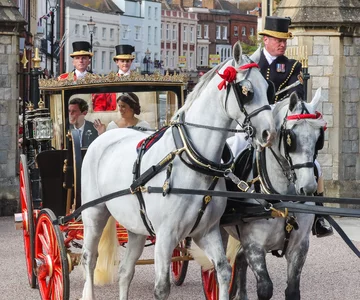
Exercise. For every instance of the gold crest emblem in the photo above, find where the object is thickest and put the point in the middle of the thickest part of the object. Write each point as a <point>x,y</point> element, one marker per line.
<point>245,90</point>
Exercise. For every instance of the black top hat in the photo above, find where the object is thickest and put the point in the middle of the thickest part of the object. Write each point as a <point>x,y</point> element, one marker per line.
<point>277,27</point>
<point>124,52</point>
<point>81,49</point>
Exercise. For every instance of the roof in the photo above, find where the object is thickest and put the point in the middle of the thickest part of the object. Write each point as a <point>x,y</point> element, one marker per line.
<point>102,6</point>
<point>311,13</point>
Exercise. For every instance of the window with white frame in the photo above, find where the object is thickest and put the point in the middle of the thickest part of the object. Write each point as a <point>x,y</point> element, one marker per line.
<point>224,32</point>
<point>94,60</point>
<point>202,56</point>
<point>252,31</point>
<point>111,56</point>
<point>77,29</point>
<point>243,31</point>
<point>161,31</point>
<point>125,32</point>
<point>173,59</point>
<point>111,33</point>
<point>155,36</point>
<point>192,38</point>
<point>167,32</point>
<point>218,32</point>
<point>191,57</point>
<point>95,32</point>
<point>84,30</point>
<point>185,33</point>
<point>198,31</point>
<point>103,34</point>
<point>156,13</point>
<point>206,31</point>
<point>236,31</point>
<point>149,35</point>
<point>103,54</point>
<point>174,32</point>
<point>137,33</point>
<point>149,12</point>
<point>167,58</point>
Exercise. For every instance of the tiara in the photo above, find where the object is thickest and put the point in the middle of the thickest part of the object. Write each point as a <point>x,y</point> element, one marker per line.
<point>128,96</point>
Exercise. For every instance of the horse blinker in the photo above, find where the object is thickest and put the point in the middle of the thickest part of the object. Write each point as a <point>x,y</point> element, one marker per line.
<point>244,91</point>
<point>289,140</point>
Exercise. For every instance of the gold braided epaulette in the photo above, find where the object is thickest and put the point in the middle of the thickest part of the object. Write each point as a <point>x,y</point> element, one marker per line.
<point>112,78</point>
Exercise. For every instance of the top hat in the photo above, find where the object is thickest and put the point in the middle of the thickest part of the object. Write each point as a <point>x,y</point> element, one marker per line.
<point>81,49</point>
<point>124,52</point>
<point>277,27</point>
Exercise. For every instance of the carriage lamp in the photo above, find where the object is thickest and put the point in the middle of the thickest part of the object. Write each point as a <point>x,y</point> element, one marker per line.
<point>43,129</point>
<point>42,123</point>
<point>29,116</point>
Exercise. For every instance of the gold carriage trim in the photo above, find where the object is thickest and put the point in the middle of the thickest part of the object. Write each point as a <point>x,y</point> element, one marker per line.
<point>112,78</point>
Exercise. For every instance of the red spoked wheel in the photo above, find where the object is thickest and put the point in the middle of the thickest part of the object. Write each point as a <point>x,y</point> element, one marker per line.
<point>27,219</point>
<point>52,266</point>
<point>211,289</point>
<point>179,267</point>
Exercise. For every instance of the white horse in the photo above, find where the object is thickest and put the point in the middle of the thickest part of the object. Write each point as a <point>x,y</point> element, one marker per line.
<point>299,136</point>
<point>108,165</point>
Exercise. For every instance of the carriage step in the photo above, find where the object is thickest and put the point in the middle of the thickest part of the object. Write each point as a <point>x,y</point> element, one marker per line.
<point>18,221</point>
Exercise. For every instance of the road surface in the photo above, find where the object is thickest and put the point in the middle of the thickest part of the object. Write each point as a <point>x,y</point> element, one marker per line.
<point>331,272</point>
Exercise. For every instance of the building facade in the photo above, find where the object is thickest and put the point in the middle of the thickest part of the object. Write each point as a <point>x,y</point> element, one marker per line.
<point>178,38</point>
<point>105,37</point>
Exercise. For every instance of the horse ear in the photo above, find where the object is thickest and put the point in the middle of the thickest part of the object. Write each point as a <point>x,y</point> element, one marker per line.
<point>237,53</point>
<point>317,99</point>
<point>293,101</point>
<point>255,57</point>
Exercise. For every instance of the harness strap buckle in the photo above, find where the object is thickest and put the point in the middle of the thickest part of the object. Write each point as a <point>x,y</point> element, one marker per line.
<point>243,186</point>
<point>143,189</point>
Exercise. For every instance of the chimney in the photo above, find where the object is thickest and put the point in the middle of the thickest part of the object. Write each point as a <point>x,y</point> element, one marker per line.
<point>210,4</point>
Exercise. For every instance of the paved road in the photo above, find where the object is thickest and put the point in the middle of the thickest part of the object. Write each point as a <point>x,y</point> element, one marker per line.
<point>331,272</point>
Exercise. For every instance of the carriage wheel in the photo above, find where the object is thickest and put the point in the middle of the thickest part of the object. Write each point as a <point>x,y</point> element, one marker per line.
<point>179,268</point>
<point>52,267</point>
<point>28,219</point>
<point>211,289</point>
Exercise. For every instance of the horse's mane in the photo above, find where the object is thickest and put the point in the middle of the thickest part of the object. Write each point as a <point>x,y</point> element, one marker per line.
<point>200,86</point>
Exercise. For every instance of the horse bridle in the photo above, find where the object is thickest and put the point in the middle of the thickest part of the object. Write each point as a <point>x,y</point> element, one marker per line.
<point>288,139</point>
<point>244,93</point>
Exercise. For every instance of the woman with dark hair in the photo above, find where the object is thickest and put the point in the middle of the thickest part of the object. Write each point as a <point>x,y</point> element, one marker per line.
<point>129,106</point>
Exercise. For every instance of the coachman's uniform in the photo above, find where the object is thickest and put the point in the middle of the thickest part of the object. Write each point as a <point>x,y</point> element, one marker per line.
<point>103,102</point>
<point>282,72</point>
<point>79,49</point>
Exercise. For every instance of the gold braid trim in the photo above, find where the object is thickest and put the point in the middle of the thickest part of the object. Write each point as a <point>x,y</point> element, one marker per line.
<point>286,80</point>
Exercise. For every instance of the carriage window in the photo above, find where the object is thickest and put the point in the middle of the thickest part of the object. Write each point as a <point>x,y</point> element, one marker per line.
<point>157,108</point>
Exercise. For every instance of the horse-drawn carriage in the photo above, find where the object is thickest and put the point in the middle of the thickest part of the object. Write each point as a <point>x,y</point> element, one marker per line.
<point>174,187</point>
<point>50,170</point>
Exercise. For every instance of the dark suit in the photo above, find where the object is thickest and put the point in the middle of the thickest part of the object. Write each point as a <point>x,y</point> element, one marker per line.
<point>89,134</point>
<point>282,72</point>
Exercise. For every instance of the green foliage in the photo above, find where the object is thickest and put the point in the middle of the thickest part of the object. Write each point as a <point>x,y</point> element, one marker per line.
<point>253,44</point>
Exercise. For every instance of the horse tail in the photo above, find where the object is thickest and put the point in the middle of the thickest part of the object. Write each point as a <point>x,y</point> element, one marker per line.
<point>105,270</point>
<point>232,249</point>
<point>200,257</point>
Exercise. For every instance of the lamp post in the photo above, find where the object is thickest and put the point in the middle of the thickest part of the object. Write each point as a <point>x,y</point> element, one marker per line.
<point>91,26</point>
<point>53,5</point>
<point>147,61</point>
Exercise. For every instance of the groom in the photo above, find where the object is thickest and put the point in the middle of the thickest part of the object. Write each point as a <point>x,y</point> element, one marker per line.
<point>78,109</point>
